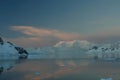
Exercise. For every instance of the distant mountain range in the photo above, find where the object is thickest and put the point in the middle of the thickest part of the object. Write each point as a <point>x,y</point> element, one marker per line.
<point>63,49</point>
<point>76,49</point>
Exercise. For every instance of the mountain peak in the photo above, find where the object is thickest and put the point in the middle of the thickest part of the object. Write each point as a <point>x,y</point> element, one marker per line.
<point>74,43</point>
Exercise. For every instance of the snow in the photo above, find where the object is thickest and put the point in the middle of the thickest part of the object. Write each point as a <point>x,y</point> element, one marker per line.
<point>8,51</point>
<point>6,47</point>
<point>109,51</point>
<point>9,55</point>
<point>77,49</point>
<point>63,49</point>
<point>75,43</point>
<point>106,79</point>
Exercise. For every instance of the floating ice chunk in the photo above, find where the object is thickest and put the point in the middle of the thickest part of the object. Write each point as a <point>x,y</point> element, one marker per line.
<point>37,73</point>
<point>106,79</point>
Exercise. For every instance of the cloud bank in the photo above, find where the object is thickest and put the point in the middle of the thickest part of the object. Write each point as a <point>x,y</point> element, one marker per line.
<point>39,32</point>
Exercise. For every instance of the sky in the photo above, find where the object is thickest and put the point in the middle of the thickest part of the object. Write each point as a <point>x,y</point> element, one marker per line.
<point>36,23</point>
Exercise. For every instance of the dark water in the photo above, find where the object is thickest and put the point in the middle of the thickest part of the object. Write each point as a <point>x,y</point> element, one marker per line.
<point>62,70</point>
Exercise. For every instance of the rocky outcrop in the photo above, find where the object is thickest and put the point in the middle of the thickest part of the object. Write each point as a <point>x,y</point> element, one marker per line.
<point>23,53</point>
<point>1,69</point>
<point>1,41</point>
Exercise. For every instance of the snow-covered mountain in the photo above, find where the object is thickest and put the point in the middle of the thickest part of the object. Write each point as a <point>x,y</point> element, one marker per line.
<point>76,49</point>
<point>105,51</point>
<point>63,49</point>
<point>10,54</point>
<point>72,49</point>
<point>75,44</point>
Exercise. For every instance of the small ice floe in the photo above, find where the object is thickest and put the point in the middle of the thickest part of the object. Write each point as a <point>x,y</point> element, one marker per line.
<point>37,73</point>
<point>106,79</point>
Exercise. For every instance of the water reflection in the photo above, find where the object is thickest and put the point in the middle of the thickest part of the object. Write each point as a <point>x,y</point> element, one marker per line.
<point>62,70</point>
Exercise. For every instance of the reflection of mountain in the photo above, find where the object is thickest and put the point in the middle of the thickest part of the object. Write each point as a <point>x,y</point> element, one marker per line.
<point>9,51</point>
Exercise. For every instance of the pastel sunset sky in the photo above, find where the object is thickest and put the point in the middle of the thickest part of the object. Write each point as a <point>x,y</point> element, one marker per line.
<point>36,23</point>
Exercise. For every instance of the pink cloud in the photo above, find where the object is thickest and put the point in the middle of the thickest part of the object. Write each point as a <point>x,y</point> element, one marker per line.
<point>39,32</point>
